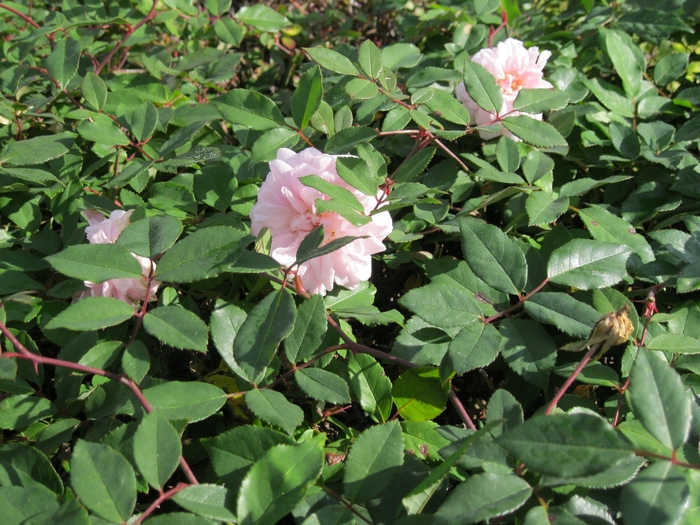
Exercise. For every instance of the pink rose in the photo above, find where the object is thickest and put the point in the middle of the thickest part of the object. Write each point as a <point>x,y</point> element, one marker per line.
<point>514,68</point>
<point>131,291</point>
<point>287,208</point>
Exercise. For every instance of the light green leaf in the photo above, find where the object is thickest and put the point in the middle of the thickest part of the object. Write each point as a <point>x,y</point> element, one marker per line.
<point>63,61</point>
<point>419,394</point>
<point>332,60</point>
<point>273,407</point>
<point>307,97</point>
<point>588,264</point>
<point>211,501</point>
<point>250,109</point>
<point>534,131</point>
<point>482,87</point>
<point>262,17</point>
<point>192,400</point>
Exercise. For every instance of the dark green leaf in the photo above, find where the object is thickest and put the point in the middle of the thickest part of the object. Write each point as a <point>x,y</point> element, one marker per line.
<point>670,67</point>
<point>157,449</point>
<point>177,327</point>
<point>482,87</point>
<point>331,60</point>
<point>311,246</point>
<point>250,109</point>
<point>563,311</point>
<point>24,465</point>
<point>370,59</point>
<point>309,329</point>
<point>192,401</point>
<point>443,305</point>
<point>475,346</point>
<point>27,505</point>
<point>92,313</point>
<point>273,407</point>
<point>262,17</point>
<point>151,236</point>
<point>62,64</point>
<point>544,208</point>
<point>658,495</point>
<point>534,131</point>
<point>38,150</point>
<point>323,385</point>
<point>266,147</point>
<point>370,386</point>
<point>96,262</point>
<point>94,90</point>
<point>528,350</point>
<point>210,501</point>
<point>17,412</point>
<point>604,226</point>
<point>588,264</point>
<point>624,60</point>
<point>347,139</point>
<point>678,343</point>
<point>307,97</point>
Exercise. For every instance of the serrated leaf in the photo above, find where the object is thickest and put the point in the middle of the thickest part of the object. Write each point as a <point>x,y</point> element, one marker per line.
<point>273,407</point>
<point>192,401</point>
<point>544,208</point>
<point>370,386</point>
<point>265,148</point>
<point>419,394</point>
<point>540,99</point>
<point>151,236</point>
<point>177,327</point>
<point>94,90</point>
<point>212,501</point>
<point>331,60</point>
<point>358,174</point>
<point>475,346</point>
<point>24,465</point>
<point>250,109</point>
<point>624,60</point>
<point>604,226</point>
<point>588,264</point>
<point>323,385</point>
<point>157,449</point>
<point>659,494</point>
<point>563,311</point>
<point>534,131</point>
<point>38,150</point>
<point>370,59</point>
<point>373,461</point>
<point>309,329</point>
<point>482,87</point>
<point>492,256</point>
<point>92,313</point>
<point>528,350</point>
<point>96,263</point>
<point>443,305</point>
<point>307,97</point>
<point>262,17</point>
<point>63,61</point>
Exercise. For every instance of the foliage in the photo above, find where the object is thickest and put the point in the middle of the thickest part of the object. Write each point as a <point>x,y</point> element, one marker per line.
<point>236,397</point>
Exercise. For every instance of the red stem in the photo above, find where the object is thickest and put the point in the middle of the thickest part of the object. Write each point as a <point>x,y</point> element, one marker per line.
<point>589,355</point>
<point>163,496</point>
<point>21,15</point>
<point>461,410</point>
<point>518,304</point>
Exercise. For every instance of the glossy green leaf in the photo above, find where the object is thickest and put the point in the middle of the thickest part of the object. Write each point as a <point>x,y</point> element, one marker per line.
<point>102,354</point>
<point>62,64</point>
<point>534,131</point>
<point>262,17</point>
<point>211,501</point>
<point>482,87</point>
<point>323,385</point>
<point>136,361</point>
<point>624,60</point>
<point>202,255</point>
<point>345,140</point>
<point>27,505</point>
<point>374,459</point>
<point>94,468</point>
<point>309,329</point>
<point>331,60</point>
<point>17,412</point>
<point>151,236</point>
<point>92,313</point>
<point>177,327</point>
<point>604,226</point>
<point>103,130</point>
<point>143,121</point>
<point>594,373</point>
<point>37,150</point>
<point>588,264</point>
<point>273,407</point>
<point>370,386</point>
<point>266,147</point>
<point>443,305</point>
<point>94,90</point>
<point>250,109</point>
<point>611,96</point>
<point>484,496</point>
<point>508,155</point>
<point>540,99</point>
<point>358,173</point>
<point>659,399</point>
<point>504,410</point>
<point>370,59</point>
<point>311,247</point>
<point>422,439</point>
<point>263,330</point>
<point>279,482</point>
<point>307,97</point>
<point>419,394</point>
<point>658,495</point>
<point>563,311</point>
<point>545,208</point>
<point>492,256</point>
<point>566,444</point>
<point>96,263</point>
<point>157,449</point>
<point>192,401</point>
<point>678,343</point>
<point>229,31</point>
<point>528,350</point>
<point>447,107</point>
<point>8,368</point>
<point>536,165</point>
<point>475,346</point>
<point>24,465</point>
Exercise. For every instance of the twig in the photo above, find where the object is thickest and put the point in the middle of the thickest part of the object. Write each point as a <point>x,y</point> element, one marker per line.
<point>518,304</point>
<point>589,355</point>
<point>460,409</point>
<point>164,496</point>
<point>21,15</point>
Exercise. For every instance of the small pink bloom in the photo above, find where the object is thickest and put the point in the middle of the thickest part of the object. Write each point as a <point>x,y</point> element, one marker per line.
<point>287,208</point>
<point>106,231</point>
<point>514,68</point>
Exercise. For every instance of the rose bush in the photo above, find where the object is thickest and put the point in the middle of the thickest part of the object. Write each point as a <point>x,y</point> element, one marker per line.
<point>287,208</point>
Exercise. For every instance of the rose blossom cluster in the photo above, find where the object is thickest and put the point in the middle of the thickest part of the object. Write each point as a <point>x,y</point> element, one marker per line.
<point>514,68</point>
<point>103,230</point>
<point>287,209</point>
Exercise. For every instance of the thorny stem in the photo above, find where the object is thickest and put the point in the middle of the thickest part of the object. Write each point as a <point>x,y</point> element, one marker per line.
<point>23,353</point>
<point>560,393</point>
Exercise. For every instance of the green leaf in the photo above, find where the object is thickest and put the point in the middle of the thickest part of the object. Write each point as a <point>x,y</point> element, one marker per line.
<point>563,311</point>
<point>443,305</point>
<point>588,264</point>
<point>250,109</point>
<point>323,385</point>
<point>335,192</point>
<point>332,60</point>
<point>63,62</point>
<point>38,150</point>
<point>508,155</point>
<point>670,67</point>
<point>94,90</point>
<point>27,505</point>
<point>310,247</point>
<point>143,120</point>
<point>540,99</point>
<point>369,384</point>
<point>279,482</point>
<point>536,165</point>
<point>482,87</point>
<point>262,17</point>
<point>96,263</point>
<point>358,174</point>
<point>678,343</point>
<point>611,97</point>
<point>157,449</point>
<point>347,139</point>
<point>202,255</point>
<point>151,236</point>
<point>528,350</point>
<point>534,131</point>
<point>370,59</point>
<point>103,130</point>
<point>475,346</point>
<point>192,401</point>
<point>400,55</point>
<point>24,465</point>
<point>102,354</point>
<point>492,256</point>
<point>266,326</point>
<point>419,394</point>
<point>625,140</point>
<point>604,226</point>
<point>136,361</point>
<point>374,459</point>
<point>177,327</point>
<point>544,208</point>
<point>229,31</point>
<point>266,147</point>
<point>624,60</point>
<point>8,369</point>
<point>484,496</point>
<point>422,439</point>
<point>93,471</point>
<point>504,410</point>
<point>211,501</point>
<point>567,444</point>
<point>361,89</point>
<point>307,97</point>
<point>309,329</point>
<point>274,408</point>
<point>178,518</point>
<point>659,494</point>
<point>17,412</point>
<point>447,107</point>
<point>594,373</point>
<point>233,452</point>
<point>92,313</point>
<point>659,399</point>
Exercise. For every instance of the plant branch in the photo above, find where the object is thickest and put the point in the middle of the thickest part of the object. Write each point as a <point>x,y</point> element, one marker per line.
<point>560,393</point>
<point>518,304</point>
<point>164,496</point>
<point>460,409</point>
<point>21,15</point>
